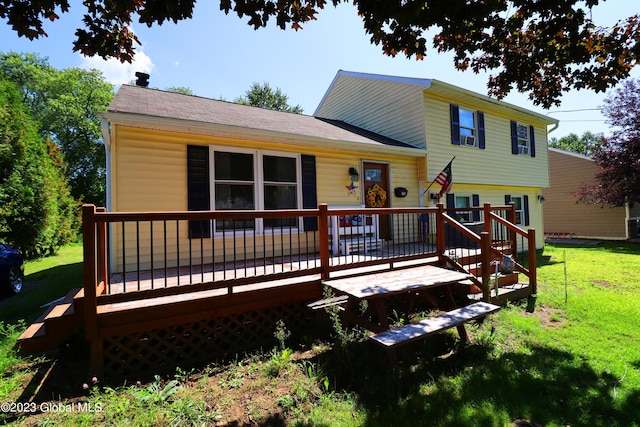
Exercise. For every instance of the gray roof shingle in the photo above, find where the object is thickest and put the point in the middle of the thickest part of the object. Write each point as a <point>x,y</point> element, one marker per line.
<point>168,105</point>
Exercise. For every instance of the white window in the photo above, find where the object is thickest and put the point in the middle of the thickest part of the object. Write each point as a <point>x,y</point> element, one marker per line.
<point>522,132</point>
<point>468,122</point>
<point>255,180</point>
<point>462,201</point>
<point>517,200</point>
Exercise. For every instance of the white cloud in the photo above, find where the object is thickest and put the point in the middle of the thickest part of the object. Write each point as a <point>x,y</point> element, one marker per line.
<point>116,72</point>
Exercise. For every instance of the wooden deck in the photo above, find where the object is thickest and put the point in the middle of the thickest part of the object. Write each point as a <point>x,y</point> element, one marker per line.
<point>141,319</point>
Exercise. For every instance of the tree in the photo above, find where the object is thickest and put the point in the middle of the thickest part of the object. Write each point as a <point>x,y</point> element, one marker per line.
<point>618,156</point>
<point>543,47</point>
<point>180,89</point>
<point>264,96</point>
<point>66,103</point>
<point>584,144</point>
<point>37,212</point>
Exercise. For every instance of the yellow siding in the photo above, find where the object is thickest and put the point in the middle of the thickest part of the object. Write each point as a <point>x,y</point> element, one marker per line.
<point>493,165</point>
<point>495,196</point>
<point>562,213</point>
<point>388,108</point>
<point>149,173</point>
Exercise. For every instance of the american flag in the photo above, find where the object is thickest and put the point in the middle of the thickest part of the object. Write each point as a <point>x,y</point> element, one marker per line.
<point>445,178</point>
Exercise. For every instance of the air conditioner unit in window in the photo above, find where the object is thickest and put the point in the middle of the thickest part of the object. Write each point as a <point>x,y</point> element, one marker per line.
<point>468,140</point>
<point>523,150</point>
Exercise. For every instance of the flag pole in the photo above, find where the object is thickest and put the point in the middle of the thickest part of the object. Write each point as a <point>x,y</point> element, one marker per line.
<point>434,180</point>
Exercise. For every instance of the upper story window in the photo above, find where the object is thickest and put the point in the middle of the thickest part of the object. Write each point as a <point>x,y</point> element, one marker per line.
<point>522,139</point>
<point>467,127</point>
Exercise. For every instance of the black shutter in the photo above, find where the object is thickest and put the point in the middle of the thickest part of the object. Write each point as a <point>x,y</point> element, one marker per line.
<point>309,192</point>
<point>475,201</point>
<point>481,136</point>
<point>507,199</point>
<point>525,202</point>
<point>451,201</point>
<point>198,192</point>
<point>532,141</point>
<point>455,124</point>
<point>514,137</point>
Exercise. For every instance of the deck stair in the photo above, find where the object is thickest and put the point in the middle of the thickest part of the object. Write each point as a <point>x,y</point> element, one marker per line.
<point>508,288</point>
<point>57,324</point>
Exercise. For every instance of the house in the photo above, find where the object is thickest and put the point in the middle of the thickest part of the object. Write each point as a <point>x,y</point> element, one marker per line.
<point>500,149</point>
<point>172,152</point>
<point>222,219</point>
<point>563,214</point>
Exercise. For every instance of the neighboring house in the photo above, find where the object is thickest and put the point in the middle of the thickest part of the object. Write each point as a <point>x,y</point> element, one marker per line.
<point>563,214</point>
<point>173,152</point>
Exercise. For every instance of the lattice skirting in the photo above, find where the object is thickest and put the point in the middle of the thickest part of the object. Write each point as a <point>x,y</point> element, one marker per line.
<point>141,355</point>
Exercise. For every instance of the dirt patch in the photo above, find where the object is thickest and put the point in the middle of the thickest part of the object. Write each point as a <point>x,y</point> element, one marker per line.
<point>549,317</point>
<point>603,283</point>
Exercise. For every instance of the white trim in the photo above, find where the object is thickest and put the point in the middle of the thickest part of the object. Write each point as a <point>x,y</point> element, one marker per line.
<point>258,182</point>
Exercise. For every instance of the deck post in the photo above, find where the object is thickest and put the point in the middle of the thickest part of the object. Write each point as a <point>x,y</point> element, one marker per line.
<point>440,237</point>
<point>102,253</point>
<point>487,218</point>
<point>533,276</point>
<point>90,279</point>
<point>485,260</point>
<point>323,228</point>
<point>512,220</point>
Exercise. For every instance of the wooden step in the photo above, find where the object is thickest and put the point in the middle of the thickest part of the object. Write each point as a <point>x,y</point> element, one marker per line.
<point>56,324</point>
<point>415,331</point>
<point>504,280</point>
<point>505,294</point>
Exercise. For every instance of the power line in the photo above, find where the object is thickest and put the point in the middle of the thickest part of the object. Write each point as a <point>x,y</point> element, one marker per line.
<point>573,111</point>
<point>565,121</point>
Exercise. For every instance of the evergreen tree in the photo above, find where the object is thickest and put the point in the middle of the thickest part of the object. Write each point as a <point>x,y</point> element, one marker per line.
<point>37,212</point>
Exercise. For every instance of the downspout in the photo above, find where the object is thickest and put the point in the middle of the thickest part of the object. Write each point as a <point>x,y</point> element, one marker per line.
<point>106,135</point>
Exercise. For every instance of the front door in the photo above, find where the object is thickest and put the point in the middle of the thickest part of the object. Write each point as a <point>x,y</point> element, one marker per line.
<point>377,193</point>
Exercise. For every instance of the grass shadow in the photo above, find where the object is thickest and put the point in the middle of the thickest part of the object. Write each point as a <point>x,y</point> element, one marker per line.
<point>40,288</point>
<point>440,382</point>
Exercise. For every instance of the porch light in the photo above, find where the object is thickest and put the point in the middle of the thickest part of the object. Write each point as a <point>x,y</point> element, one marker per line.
<point>355,176</point>
<point>541,199</point>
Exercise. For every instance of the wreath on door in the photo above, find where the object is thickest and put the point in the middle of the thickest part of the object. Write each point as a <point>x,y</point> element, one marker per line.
<point>376,196</point>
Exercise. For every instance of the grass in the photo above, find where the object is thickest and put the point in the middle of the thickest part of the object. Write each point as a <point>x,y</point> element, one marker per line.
<point>574,361</point>
<point>46,279</point>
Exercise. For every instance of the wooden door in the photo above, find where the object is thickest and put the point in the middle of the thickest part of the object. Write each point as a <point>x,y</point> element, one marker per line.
<point>377,174</point>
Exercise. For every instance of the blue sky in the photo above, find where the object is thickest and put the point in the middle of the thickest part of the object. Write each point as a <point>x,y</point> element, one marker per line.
<point>220,56</point>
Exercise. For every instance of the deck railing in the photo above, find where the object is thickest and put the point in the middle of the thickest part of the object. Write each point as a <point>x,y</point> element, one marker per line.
<point>132,256</point>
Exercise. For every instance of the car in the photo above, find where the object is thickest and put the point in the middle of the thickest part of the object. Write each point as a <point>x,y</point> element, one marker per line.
<point>11,270</point>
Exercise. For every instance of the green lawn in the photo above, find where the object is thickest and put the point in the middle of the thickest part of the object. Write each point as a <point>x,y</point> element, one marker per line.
<point>575,361</point>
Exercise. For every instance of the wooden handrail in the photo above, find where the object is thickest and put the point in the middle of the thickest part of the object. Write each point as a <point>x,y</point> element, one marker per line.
<point>508,224</point>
